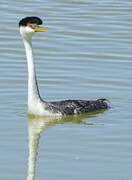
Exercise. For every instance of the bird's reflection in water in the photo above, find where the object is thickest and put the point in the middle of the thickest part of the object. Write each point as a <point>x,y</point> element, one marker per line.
<point>36,126</point>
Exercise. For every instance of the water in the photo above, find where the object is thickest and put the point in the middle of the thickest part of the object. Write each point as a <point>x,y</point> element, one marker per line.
<point>85,55</point>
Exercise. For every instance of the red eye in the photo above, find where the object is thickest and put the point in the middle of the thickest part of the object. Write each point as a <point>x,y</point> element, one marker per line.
<point>33,26</point>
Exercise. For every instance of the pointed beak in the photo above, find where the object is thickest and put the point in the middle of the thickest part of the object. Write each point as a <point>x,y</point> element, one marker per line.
<point>40,29</point>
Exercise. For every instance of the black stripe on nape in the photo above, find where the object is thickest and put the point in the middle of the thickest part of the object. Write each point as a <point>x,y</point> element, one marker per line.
<point>31,19</point>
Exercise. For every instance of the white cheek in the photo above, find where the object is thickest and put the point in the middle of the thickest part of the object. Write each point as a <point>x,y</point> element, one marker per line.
<point>26,30</point>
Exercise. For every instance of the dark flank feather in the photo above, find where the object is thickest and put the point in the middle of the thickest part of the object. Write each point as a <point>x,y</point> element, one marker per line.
<point>74,107</point>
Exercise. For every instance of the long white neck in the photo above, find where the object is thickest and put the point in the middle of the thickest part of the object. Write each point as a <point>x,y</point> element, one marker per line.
<point>33,92</point>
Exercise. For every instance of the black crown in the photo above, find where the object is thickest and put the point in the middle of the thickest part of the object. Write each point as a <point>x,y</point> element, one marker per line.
<point>31,19</point>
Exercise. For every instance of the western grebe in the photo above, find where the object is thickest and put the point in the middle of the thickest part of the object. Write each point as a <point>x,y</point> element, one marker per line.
<point>37,106</point>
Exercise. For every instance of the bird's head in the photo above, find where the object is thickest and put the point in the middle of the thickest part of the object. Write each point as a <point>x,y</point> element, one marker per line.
<point>29,25</point>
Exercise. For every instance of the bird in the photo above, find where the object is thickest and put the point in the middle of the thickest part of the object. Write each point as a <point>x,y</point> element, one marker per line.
<point>36,105</point>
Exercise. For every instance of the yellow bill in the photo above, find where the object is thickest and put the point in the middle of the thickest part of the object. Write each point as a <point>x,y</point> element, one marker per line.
<point>41,29</point>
